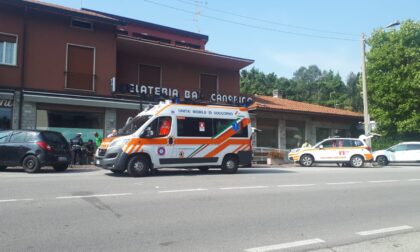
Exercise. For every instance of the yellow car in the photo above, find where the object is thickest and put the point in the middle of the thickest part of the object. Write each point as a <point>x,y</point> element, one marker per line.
<point>343,151</point>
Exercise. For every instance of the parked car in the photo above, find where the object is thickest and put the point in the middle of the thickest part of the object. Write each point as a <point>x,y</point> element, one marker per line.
<point>343,151</point>
<point>33,149</point>
<point>406,152</point>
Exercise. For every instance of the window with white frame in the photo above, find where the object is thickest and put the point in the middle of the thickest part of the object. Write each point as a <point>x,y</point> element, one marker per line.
<point>8,49</point>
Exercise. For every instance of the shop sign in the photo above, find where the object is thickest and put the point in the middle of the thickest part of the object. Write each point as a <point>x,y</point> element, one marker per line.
<point>6,103</point>
<point>150,92</point>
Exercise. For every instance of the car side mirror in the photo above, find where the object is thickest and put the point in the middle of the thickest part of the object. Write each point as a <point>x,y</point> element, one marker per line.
<point>321,146</point>
<point>147,133</point>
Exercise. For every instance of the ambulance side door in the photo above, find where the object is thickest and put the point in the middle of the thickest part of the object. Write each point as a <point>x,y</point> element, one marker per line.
<point>327,151</point>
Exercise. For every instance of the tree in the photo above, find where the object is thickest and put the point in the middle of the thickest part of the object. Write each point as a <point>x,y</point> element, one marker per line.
<point>354,91</point>
<point>393,75</point>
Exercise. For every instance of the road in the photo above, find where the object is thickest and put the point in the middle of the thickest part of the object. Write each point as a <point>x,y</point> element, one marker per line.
<point>259,209</point>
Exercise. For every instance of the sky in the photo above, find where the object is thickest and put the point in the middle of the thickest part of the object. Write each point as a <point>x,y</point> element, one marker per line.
<point>280,35</point>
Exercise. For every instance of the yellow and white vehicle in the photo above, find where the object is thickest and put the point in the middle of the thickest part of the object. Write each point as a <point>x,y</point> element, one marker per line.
<point>180,135</point>
<point>343,151</point>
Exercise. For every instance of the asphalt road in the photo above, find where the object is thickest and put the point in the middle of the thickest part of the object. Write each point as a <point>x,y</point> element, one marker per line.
<point>258,209</point>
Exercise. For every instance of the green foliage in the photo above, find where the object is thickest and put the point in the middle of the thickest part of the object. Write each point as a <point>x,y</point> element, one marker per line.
<point>309,84</point>
<point>393,72</point>
<point>381,143</point>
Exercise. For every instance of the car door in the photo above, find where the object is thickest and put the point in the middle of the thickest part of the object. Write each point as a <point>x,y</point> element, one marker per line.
<point>327,151</point>
<point>5,153</point>
<point>398,153</point>
<point>18,147</point>
<point>413,153</point>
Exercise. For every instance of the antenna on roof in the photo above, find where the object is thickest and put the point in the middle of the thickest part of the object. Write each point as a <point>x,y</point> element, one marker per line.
<point>198,10</point>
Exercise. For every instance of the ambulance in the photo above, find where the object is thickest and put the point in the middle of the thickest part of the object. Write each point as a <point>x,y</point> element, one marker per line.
<point>172,135</point>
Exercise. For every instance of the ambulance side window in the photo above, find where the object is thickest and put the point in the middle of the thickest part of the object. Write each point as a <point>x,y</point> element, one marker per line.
<point>160,127</point>
<point>194,127</point>
<point>220,125</point>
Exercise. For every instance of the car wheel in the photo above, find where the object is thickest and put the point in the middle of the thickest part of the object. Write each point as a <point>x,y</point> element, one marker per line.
<point>118,171</point>
<point>138,166</point>
<point>60,167</point>
<point>357,161</point>
<point>2,168</point>
<point>204,169</point>
<point>230,164</point>
<point>31,164</point>
<point>306,160</point>
<point>382,160</point>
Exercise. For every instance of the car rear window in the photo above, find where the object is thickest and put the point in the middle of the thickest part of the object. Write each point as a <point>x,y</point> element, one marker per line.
<point>53,137</point>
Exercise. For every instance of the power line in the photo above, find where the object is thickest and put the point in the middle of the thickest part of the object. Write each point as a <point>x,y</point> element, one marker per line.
<point>250,25</point>
<point>268,21</point>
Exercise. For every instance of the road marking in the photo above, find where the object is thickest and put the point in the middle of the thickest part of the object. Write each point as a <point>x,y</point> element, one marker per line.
<point>383,181</point>
<point>139,183</point>
<point>93,195</point>
<point>14,200</point>
<point>415,179</point>
<point>345,183</point>
<point>297,185</point>
<point>384,230</point>
<point>183,190</point>
<point>243,187</point>
<point>285,245</point>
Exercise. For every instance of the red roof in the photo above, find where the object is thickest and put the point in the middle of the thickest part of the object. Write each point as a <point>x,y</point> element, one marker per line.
<point>284,105</point>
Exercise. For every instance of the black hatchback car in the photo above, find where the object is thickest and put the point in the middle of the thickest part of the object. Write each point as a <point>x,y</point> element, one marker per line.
<point>33,149</point>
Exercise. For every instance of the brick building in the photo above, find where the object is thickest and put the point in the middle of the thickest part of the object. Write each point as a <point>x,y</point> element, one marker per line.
<point>85,71</point>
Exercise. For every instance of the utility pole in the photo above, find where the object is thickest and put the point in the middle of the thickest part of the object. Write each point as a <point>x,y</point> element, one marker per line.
<point>364,86</point>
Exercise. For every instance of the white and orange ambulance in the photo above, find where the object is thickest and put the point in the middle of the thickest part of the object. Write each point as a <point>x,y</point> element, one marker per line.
<point>180,136</point>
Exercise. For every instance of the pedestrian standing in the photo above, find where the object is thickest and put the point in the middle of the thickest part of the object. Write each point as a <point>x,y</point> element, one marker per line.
<point>98,140</point>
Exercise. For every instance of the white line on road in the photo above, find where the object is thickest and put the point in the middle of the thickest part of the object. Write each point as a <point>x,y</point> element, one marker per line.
<point>93,195</point>
<point>297,185</point>
<point>183,190</point>
<point>415,179</point>
<point>345,183</point>
<point>384,230</point>
<point>14,200</point>
<point>383,181</point>
<point>243,187</point>
<point>285,245</point>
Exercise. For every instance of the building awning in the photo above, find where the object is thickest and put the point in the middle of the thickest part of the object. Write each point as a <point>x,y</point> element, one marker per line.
<point>132,45</point>
<point>79,100</point>
<point>6,95</point>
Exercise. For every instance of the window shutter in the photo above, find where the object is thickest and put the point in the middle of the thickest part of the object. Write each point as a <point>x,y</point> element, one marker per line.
<point>7,38</point>
<point>149,75</point>
<point>208,85</point>
<point>80,72</point>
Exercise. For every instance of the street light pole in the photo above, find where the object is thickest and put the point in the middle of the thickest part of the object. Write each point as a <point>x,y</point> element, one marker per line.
<point>364,87</point>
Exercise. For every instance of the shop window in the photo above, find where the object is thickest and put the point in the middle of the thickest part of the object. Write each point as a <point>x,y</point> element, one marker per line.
<point>5,118</point>
<point>208,85</point>
<point>341,133</point>
<point>194,127</point>
<point>268,136</point>
<point>8,49</point>
<point>322,133</point>
<point>295,134</point>
<point>80,73</point>
<point>149,75</point>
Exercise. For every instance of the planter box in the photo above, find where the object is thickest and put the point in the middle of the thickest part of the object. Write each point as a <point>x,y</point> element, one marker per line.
<point>274,161</point>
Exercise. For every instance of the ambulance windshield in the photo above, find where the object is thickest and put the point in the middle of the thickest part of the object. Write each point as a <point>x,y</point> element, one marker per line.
<point>133,125</point>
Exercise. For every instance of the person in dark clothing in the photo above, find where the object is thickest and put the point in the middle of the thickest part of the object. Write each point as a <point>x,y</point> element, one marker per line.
<point>76,144</point>
<point>90,151</point>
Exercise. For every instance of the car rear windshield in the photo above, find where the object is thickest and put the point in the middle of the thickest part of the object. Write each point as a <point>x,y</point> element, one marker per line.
<point>53,138</point>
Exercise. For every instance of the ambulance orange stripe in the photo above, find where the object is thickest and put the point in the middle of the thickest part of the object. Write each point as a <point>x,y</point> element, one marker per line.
<point>237,149</point>
<point>225,144</point>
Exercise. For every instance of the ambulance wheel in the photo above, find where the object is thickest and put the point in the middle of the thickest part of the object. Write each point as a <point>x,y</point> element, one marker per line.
<point>230,164</point>
<point>357,161</point>
<point>138,166</point>
<point>306,160</point>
